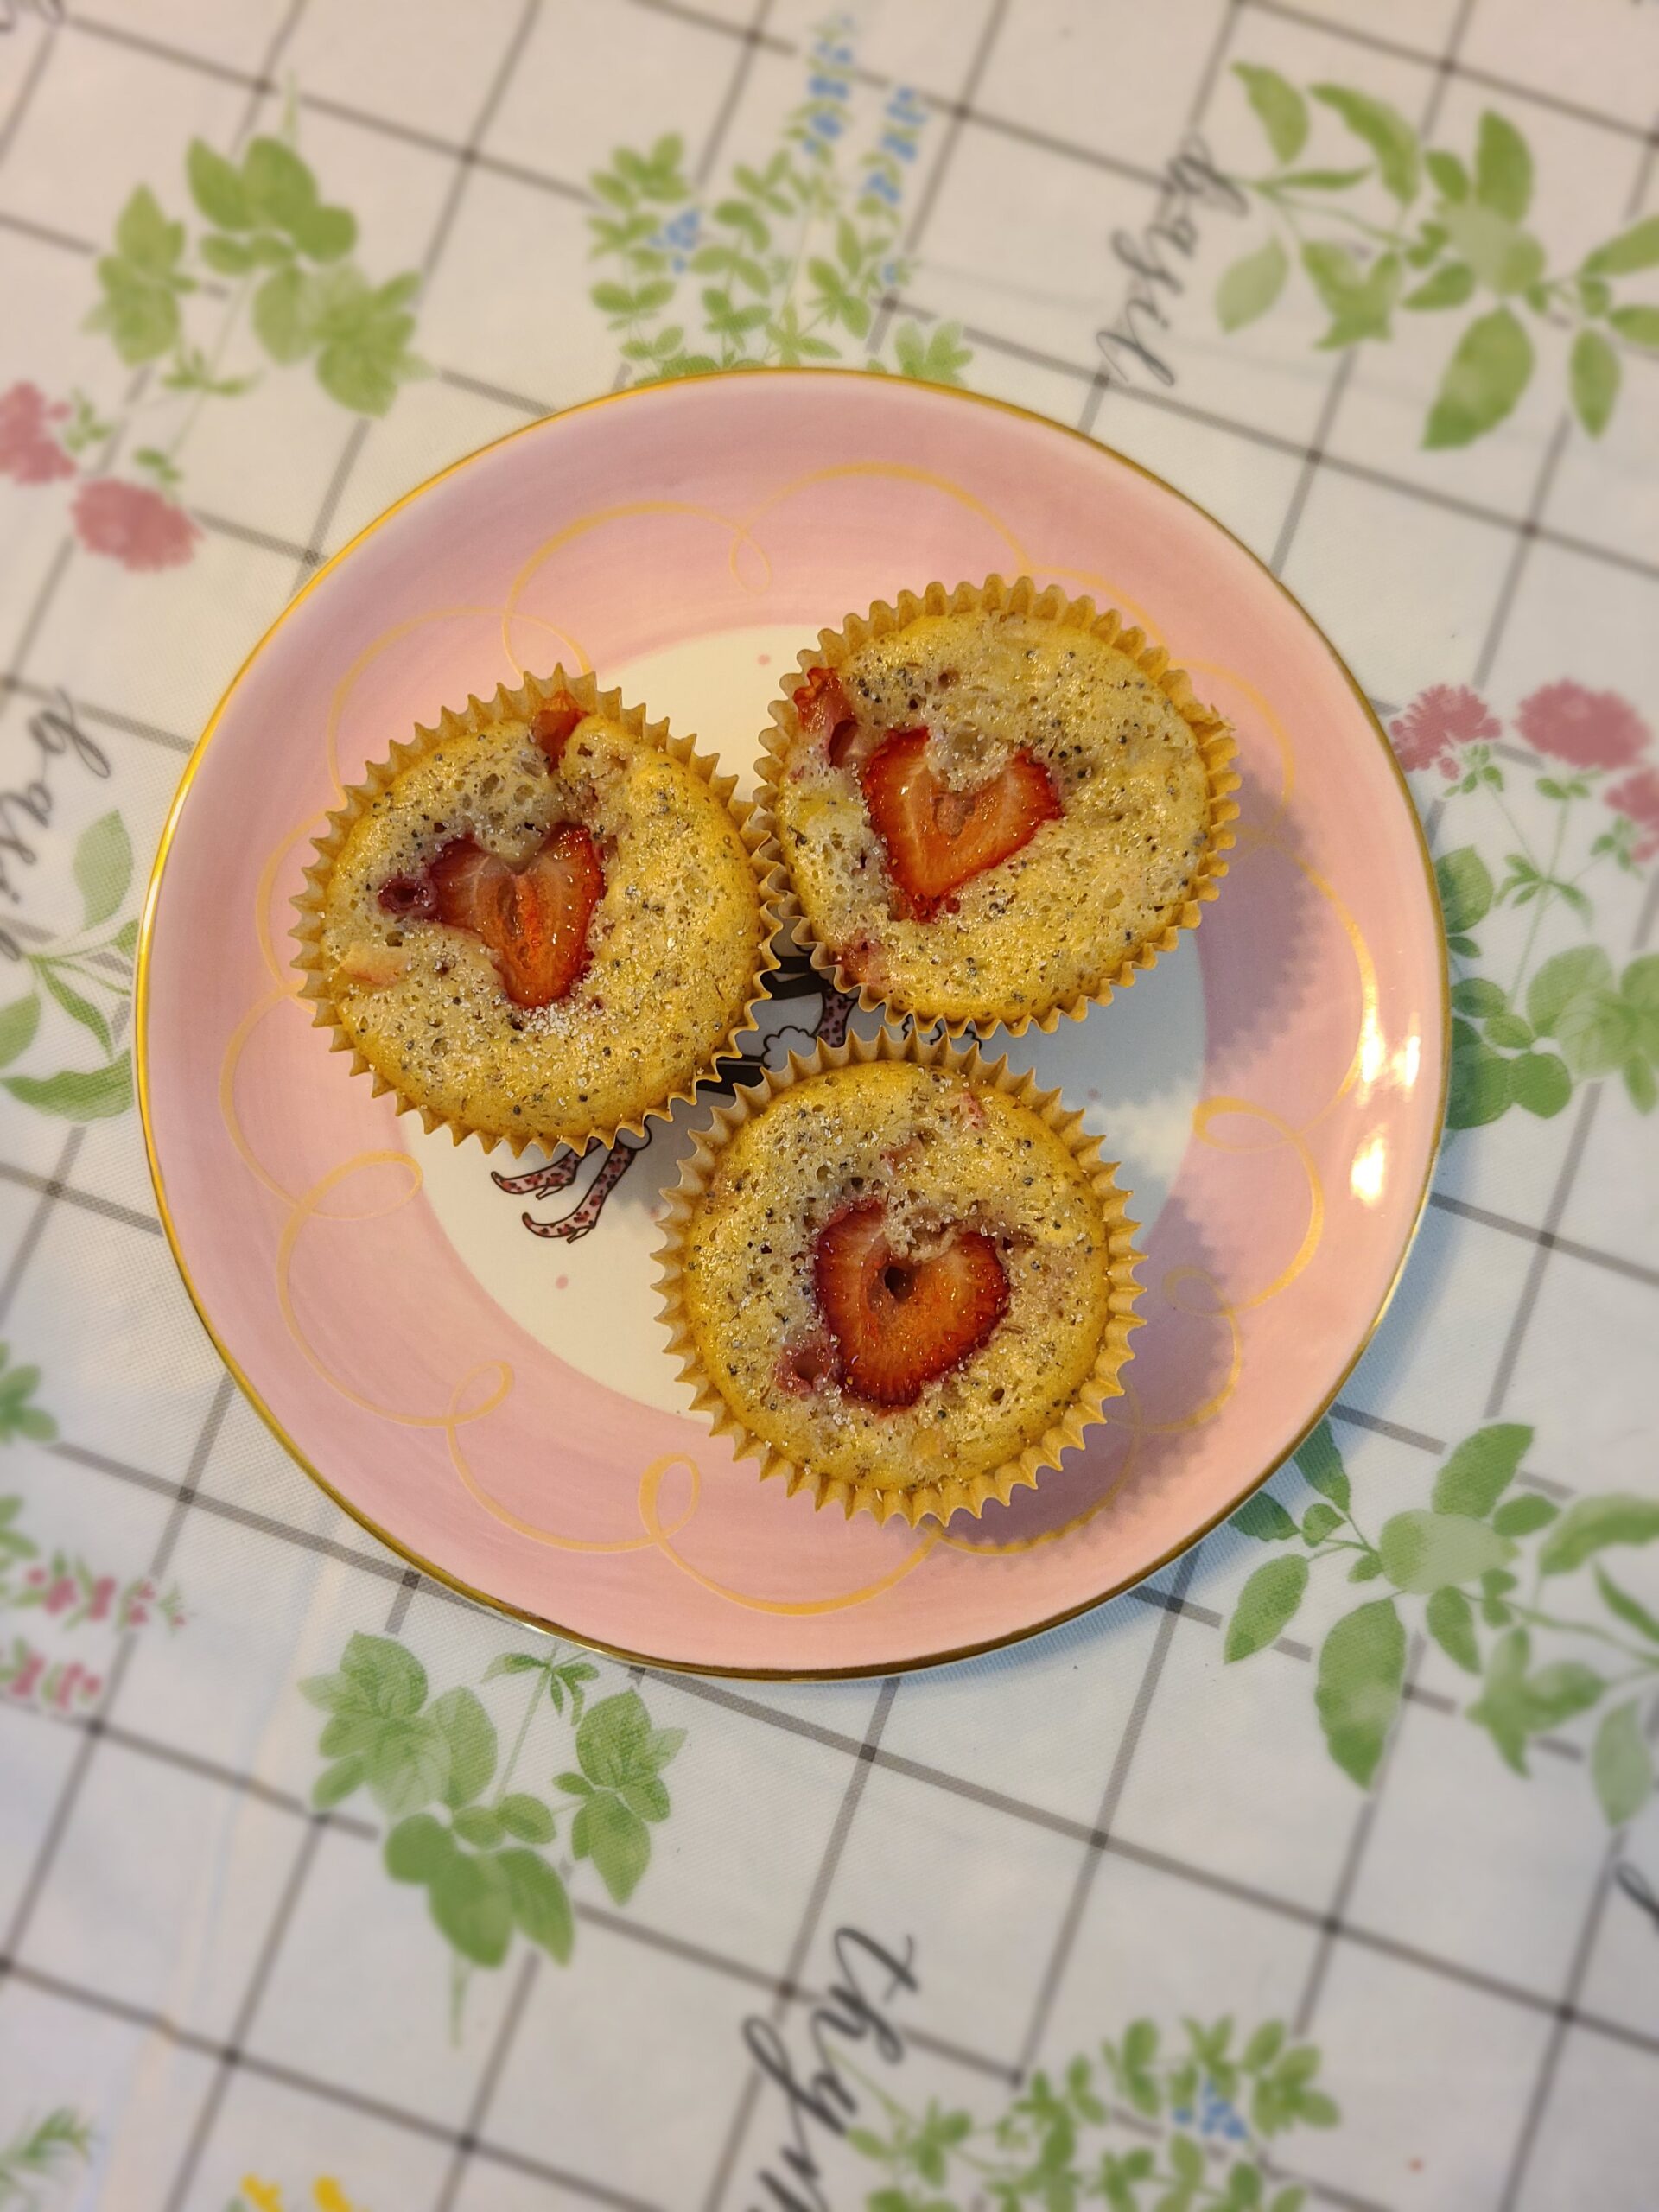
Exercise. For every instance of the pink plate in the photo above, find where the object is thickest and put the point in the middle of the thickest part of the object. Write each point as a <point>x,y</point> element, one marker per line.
<point>463,1349</point>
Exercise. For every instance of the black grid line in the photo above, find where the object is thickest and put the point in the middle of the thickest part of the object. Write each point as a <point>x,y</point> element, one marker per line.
<point>1116,1780</point>
<point>34,1228</point>
<point>1092,376</point>
<point>37,68</point>
<point>1633,1270</point>
<point>74,1780</point>
<point>54,1188</point>
<point>1512,87</point>
<point>258,1981</point>
<point>1359,472</point>
<point>484,2095</point>
<point>1443,65</point>
<point>1352,1860</point>
<point>1546,1238</point>
<point>313,2085</point>
<point>752,34</point>
<point>628,1927</point>
<point>1100,376</point>
<point>990,30</point>
<point>106,717</point>
<point>840,1828</point>
<point>1549,2065</point>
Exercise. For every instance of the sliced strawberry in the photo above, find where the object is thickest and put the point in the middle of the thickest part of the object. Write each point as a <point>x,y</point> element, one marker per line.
<point>936,838</point>
<point>553,722</point>
<point>535,919</point>
<point>822,706</point>
<point>900,1323</point>
<point>410,897</point>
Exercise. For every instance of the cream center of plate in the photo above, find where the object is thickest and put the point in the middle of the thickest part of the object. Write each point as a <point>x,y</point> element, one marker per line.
<point>569,1253</point>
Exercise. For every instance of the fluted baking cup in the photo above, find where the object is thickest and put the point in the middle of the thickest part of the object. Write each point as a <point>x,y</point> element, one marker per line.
<point>947,1494</point>
<point>479,717</point>
<point>1211,736</point>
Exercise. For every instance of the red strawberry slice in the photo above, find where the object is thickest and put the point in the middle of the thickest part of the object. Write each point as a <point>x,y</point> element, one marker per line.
<point>534,919</point>
<point>900,1323</point>
<point>936,838</point>
<point>822,706</point>
<point>553,722</point>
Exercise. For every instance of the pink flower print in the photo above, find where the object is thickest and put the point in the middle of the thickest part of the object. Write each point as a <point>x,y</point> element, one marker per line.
<point>99,1605</point>
<point>1444,715</point>
<point>133,525</point>
<point>145,1589</point>
<point>29,1672</point>
<point>90,1686</point>
<point>63,1690</point>
<point>28,449</point>
<point>137,1615</point>
<point>1590,729</point>
<point>35,1576</point>
<point>1638,796</point>
<point>63,1593</point>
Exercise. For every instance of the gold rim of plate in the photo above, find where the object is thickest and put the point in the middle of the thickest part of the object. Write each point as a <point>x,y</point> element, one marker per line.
<point>524,1614</point>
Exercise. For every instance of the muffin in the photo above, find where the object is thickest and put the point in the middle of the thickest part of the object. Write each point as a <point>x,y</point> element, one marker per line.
<point>899,1277</point>
<point>540,922</point>
<point>992,805</point>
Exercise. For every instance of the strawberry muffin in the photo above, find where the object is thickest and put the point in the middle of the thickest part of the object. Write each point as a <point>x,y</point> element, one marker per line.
<point>993,805</point>
<point>540,922</point>
<point>903,1279</point>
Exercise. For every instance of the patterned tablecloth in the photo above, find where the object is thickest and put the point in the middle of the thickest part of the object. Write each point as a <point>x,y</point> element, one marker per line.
<point>1325,1868</point>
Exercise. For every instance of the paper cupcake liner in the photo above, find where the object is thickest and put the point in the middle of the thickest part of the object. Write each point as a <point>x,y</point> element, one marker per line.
<point>480,714</point>
<point>1215,743</point>
<point>938,1500</point>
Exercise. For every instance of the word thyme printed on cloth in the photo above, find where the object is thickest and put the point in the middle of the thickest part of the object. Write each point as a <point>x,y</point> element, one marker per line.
<point>1387,225</point>
<point>1154,2122</point>
<point>271,251</point>
<point>461,1830</point>
<point>791,262</point>
<point>1490,1564</point>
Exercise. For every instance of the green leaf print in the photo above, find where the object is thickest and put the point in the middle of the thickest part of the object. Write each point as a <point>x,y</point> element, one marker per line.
<point>1465,888</point>
<point>1268,1602</point>
<point>1264,1518</point>
<point>1362,1670</point>
<point>1080,2135</point>
<point>1481,1469</point>
<point>1636,248</point>
<point>1450,1620</point>
<point>18,1023</point>
<point>103,867</point>
<point>1388,245</point>
<point>1481,1088</point>
<point>541,1904</point>
<point>472,1902</point>
<point>1482,381</point>
<point>1384,129</point>
<point>1503,167</point>
<point>1321,1465</point>
<point>1249,287</point>
<point>1621,1765</point>
<point>457,1827</point>
<point>1639,324</point>
<point>1423,1552</point>
<point>1592,379</point>
<point>1541,1084</point>
<point>94,1095</point>
<point>1281,108</point>
<point>1595,1523</point>
<point>1485,1558</point>
<point>469,1738</point>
